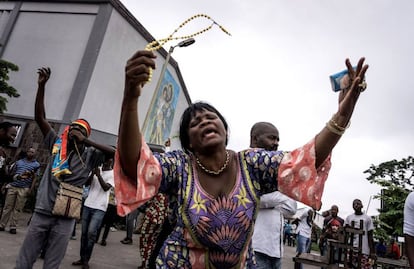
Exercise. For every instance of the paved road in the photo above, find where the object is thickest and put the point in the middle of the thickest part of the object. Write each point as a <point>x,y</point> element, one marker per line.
<point>114,255</point>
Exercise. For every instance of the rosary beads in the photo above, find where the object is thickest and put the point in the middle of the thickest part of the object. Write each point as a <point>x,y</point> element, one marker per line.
<point>157,44</point>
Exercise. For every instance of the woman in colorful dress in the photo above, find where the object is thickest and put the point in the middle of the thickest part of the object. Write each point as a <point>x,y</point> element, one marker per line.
<point>217,190</point>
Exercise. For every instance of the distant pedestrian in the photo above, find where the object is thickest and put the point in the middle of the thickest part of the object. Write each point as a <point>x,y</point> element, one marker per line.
<point>304,232</point>
<point>287,233</point>
<point>102,180</point>
<point>380,248</point>
<point>8,134</point>
<point>294,232</point>
<point>368,250</point>
<point>18,190</point>
<point>331,225</point>
<point>109,218</point>
<point>393,250</point>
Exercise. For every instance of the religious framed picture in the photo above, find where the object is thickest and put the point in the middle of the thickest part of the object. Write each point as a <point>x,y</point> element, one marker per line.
<point>160,115</point>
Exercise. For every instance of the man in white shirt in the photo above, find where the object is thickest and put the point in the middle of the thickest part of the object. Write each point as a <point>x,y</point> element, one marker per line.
<point>304,232</point>
<point>268,229</point>
<point>368,249</point>
<point>93,212</point>
<point>408,227</point>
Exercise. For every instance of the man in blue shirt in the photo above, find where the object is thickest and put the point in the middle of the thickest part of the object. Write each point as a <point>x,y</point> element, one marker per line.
<point>17,191</point>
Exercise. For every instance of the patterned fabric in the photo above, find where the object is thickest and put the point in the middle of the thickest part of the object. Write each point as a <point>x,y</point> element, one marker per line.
<point>60,162</point>
<point>366,262</point>
<point>155,215</point>
<point>215,232</point>
<point>298,178</point>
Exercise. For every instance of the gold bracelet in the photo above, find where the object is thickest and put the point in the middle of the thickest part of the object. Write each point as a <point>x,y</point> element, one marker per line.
<point>333,129</point>
<point>337,126</point>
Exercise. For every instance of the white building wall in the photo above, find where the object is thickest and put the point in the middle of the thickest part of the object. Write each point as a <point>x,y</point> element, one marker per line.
<point>105,91</point>
<point>57,35</point>
<point>44,37</point>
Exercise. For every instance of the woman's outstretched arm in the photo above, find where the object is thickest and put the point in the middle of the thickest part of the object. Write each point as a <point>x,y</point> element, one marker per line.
<point>137,72</point>
<point>328,137</point>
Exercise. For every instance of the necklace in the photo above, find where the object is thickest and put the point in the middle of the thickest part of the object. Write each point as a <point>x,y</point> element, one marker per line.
<point>80,157</point>
<point>211,172</point>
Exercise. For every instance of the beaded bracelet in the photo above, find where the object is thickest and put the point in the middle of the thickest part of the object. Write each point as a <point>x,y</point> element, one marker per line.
<point>157,44</point>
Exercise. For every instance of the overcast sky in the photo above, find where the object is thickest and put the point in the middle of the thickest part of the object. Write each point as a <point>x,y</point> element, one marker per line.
<point>276,65</point>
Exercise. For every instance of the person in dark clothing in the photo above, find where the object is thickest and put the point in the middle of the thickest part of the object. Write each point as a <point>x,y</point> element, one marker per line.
<point>74,156</point>
<point>331,225</point>
<point>381,248</point>
<point>8,134</point>
<point>109,218</point>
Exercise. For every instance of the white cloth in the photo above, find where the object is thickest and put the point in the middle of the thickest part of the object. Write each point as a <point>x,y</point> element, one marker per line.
<point>368,226</point>
<point>268,229</point>
<point>97,197</point>
<point>408,227</point>
<point>304,229</point>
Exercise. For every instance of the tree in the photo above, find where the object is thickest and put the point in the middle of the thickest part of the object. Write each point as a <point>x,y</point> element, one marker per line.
<point>5,88</point>
<point>395,179</point>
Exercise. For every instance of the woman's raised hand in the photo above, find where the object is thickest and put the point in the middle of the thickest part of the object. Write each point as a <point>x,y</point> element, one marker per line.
<point>137,72</point>
<point>349,97</point>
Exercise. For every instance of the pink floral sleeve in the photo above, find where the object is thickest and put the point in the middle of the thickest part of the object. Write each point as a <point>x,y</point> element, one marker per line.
<point>298,177</point>
<point>129,194</point>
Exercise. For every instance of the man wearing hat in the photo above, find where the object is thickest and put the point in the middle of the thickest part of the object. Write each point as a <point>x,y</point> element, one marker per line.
<point>74,155</point>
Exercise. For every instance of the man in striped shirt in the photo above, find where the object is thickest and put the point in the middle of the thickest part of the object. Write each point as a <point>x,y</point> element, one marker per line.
<point>17,191</point>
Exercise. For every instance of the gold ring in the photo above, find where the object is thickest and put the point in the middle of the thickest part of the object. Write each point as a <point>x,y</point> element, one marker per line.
<point>362,86</point>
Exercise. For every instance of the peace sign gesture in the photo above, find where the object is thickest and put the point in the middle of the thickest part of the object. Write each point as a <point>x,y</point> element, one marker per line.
<point>348,97</point>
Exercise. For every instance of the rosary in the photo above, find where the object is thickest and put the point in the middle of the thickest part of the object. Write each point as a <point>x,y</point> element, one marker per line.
<point>157,44</point>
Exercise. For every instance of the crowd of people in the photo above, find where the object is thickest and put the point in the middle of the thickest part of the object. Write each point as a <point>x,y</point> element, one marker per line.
<point>203,206</point>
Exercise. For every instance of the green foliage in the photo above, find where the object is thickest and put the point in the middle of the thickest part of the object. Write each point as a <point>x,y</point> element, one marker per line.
<point>395,179</point>
<point>379,231</point>
<point>5,88</point>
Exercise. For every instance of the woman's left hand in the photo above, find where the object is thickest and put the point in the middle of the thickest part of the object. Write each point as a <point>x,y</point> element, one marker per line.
<point>349,97</point>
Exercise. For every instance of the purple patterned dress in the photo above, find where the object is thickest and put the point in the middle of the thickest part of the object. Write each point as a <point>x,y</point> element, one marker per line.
<point>210,232</point>
<point>214,232</point>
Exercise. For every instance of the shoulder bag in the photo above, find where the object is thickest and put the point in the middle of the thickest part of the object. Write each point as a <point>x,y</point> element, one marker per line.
<point>68,202</point>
